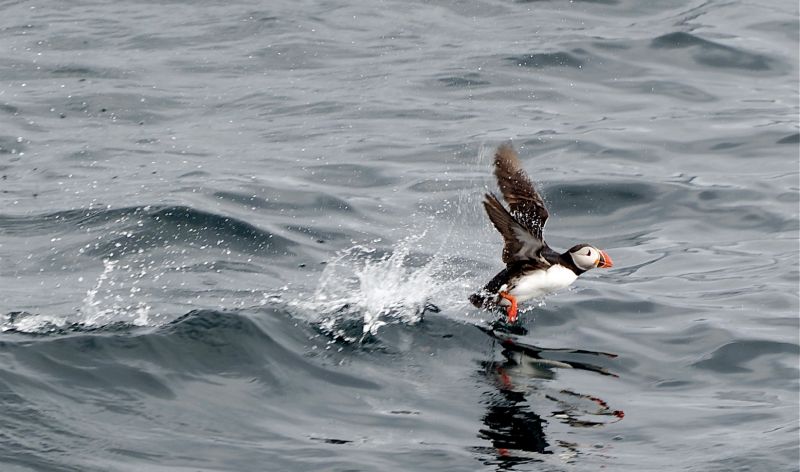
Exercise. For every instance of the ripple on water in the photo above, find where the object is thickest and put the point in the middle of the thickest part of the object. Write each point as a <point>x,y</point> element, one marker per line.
<point>712,54</point>
<point>545,60</point>
<point>760,360</point>
<point>185,226</point>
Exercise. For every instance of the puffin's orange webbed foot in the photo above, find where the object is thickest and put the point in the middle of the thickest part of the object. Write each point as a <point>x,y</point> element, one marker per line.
<point>511,311</point>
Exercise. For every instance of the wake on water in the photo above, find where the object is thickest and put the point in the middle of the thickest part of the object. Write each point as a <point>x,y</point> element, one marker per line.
<point>360,290</point>
<point>357,293</point>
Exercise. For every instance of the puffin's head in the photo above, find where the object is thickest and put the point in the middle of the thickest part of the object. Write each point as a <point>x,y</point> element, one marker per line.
<point>588,257</point>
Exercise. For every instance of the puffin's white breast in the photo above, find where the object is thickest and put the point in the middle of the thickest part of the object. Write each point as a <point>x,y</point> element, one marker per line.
<point>541,282</point>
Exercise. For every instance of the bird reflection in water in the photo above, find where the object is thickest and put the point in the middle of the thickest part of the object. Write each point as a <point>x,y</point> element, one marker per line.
<point>516,432</point>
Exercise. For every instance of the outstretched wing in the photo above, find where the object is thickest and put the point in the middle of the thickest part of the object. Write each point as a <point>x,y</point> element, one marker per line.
<point>526,205</point>
<point>520,244</point>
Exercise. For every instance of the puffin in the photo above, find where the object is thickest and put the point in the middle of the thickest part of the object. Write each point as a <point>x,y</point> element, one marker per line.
<point>533,269</point>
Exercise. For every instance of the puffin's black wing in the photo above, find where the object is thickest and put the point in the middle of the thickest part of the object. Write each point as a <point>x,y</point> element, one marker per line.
<point>526,205</point>
<point>520,243</point>
<point>522,226</point>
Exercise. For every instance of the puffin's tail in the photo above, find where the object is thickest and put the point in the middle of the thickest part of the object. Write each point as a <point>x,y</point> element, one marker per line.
<point>482,300</point>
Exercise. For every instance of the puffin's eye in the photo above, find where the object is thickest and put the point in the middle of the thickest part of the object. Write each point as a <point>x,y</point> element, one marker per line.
<point>589,253</point>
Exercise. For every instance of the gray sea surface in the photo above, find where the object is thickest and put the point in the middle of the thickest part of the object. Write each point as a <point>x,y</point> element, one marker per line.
<point>240,236</point>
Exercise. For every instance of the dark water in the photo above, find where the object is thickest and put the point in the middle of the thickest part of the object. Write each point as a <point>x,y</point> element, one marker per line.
<point>220,224</point>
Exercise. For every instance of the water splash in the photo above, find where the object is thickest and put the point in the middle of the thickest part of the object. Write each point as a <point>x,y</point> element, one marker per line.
<point>91,303</point>
<point>109,308</point>
<point>104,305</point>
<point>359,292</point>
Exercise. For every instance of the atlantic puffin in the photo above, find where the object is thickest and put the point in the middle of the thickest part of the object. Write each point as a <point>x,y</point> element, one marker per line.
<point>532,269</point>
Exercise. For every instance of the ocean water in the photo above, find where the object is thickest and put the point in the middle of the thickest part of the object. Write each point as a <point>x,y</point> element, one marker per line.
<point>240,236</point>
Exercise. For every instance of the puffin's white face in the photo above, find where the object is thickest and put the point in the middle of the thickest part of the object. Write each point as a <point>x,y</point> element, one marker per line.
<point>588,257</point>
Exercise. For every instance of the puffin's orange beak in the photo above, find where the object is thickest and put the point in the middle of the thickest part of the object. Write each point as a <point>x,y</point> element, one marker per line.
<point>605,261</point>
